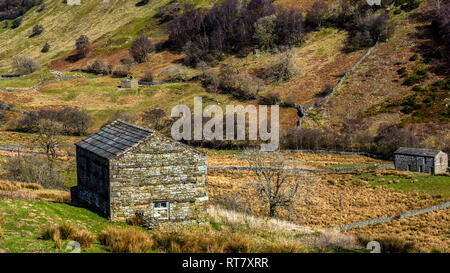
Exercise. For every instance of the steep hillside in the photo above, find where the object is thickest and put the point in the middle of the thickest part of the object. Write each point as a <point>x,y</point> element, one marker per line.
<point>365,99</point>
<point>63,24</point>
<point>383,90</point>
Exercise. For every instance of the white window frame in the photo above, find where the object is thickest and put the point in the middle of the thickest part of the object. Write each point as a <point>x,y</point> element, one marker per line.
<point>158,208</point>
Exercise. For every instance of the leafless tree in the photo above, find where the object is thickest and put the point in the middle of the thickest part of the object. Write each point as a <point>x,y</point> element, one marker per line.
<point>277,186</point>
<point>48,138</point>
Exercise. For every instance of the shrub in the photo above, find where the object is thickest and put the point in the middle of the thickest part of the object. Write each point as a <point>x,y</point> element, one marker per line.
<point>41,7</point>
<point>125,240</point>
<point>82,45</point>
<point>33,169</point>
<point>142,3</point>
<point>16,23</point>
<point>11,9</point>
<point>389,138</point>
<point>417,88</point>
<point>370,30</point>
<point>100,67</point>
<point>168,12</point>
<point>140,49</point>
<point>413,57</point>
<point>283,69</point>
<point>177,74</point>
<point>127,62</point>
<point>408,5</point>
<point>154,117</point>
<point>401,71</point>
<point>411,80</point>
<point>121,72</point>
<point>148,76</point>
<point>240,84</point>
<point>74,121</point>
<point>24,65</point>
<point>270,99</point>
<point>45,48</point>
<point>37,30</point>
<point>265,35</point>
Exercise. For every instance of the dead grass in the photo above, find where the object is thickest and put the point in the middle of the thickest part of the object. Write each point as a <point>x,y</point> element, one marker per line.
<point>423,233</point>
<point>336,241</point>
<point>31,191</point>
<point>85,238</point>
<point>67,231</point>
<point>125,240</point>
<point>319,202</point>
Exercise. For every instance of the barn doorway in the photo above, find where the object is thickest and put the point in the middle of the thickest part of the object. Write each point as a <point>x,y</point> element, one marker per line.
<point>421,168</point>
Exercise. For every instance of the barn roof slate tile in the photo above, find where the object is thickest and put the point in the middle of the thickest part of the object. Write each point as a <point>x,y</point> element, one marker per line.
<point>417,151</point>
<point>115,138</point>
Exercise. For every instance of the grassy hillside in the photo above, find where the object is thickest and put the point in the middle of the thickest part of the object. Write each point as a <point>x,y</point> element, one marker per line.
<point>63,24</point>
<point>379,92</point>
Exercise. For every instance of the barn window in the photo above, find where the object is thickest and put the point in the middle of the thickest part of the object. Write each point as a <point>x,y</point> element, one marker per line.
<point>440,160</point>
<point>161,210</point>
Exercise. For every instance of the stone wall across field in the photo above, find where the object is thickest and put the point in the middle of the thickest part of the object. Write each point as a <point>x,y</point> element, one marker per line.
<point>159,170</point>
<point>390,218</point>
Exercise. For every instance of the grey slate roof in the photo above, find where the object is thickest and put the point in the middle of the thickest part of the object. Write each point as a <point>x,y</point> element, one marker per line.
<point>417,151</point>
<point>115,138</point>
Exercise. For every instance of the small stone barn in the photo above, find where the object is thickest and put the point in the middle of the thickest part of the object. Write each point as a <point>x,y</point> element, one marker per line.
<point>421,160</point>
<point>127,171</point>
<point>129,82</point>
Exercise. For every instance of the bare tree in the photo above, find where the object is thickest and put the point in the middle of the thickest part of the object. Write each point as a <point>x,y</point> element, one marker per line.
<point>48,138</point>
<point>277,186</point>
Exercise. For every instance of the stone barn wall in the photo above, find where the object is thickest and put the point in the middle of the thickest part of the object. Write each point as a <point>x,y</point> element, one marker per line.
<point>441,163</point>
<point>414,163</point>
<point>159,170</point>
<point>92,189</point>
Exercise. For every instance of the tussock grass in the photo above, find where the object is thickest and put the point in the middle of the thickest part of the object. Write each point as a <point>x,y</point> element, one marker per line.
<point>67,231</point>
<point>29,191</point>
<point>125,240</point>
<point>85,238</point>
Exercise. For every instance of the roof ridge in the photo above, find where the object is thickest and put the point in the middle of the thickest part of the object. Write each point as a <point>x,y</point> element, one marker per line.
<point>134,125</point>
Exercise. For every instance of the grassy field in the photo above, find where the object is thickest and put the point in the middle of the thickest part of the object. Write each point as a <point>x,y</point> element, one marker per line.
<point>23,224</point>
<point>411,182</point>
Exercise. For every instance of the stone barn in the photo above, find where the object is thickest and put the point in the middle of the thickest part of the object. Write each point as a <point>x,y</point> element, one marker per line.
<point>421,160</point>
<point>126,171</point>
<point>129,82</point>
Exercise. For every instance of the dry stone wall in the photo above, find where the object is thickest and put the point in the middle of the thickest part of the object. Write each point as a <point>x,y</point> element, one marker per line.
<point>159,170</point>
